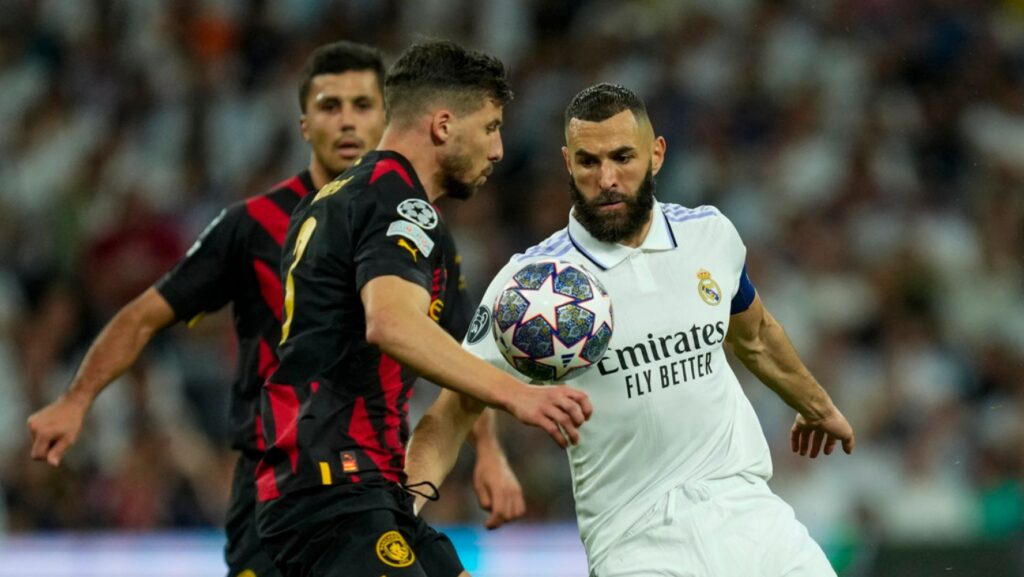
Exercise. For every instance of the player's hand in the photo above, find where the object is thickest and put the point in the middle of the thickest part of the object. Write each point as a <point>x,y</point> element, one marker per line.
<point>497,489</point>
<point>807,437</point>
<point>55,428</point>
<point>557,409</point>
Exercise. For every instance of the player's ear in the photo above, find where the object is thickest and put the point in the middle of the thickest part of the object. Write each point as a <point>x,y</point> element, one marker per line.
<point>304,127</point>
<point>658,154</point>
<point>565,156</point>
<point>441,125</point>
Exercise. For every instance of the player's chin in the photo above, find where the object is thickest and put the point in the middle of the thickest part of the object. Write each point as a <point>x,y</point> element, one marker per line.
<point>463,191</point>
<point>341,164</point>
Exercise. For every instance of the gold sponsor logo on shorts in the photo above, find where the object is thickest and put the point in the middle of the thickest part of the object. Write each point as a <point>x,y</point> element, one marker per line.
<point>394,551</point>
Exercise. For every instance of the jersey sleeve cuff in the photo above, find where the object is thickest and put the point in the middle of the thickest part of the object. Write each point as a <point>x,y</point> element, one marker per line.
<point>744,294</point>
<point>369,272</point>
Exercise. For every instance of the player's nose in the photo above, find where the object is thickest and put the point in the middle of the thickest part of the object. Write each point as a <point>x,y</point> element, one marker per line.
<point>608,179</point>
<point>497,151</point>
<point>348,117</point>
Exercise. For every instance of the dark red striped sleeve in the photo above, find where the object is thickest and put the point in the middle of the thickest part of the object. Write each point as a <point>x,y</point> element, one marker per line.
<point>205,279</point>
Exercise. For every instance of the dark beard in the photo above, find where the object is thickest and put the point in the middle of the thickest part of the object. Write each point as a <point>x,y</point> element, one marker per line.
<point>453,170</point>
<point>613,228</point>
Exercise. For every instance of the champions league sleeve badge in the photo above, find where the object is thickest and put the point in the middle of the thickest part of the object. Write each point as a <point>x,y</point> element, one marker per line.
<point>708,289</point>
<point>418,211</point>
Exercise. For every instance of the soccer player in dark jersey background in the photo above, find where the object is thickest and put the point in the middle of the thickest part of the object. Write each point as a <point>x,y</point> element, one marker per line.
<point>365,266</point>
<point>237,260</point>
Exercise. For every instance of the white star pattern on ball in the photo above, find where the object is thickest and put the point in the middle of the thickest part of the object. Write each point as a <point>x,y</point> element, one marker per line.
<point>539,349</point>
<point>543,300</point>
<point>566,358</point>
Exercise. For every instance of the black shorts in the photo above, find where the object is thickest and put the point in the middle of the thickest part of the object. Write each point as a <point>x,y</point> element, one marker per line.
<point>244,552</point>
<point>380,542</point>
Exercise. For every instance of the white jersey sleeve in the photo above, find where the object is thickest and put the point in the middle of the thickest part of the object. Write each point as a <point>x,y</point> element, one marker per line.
<point>736,250</point>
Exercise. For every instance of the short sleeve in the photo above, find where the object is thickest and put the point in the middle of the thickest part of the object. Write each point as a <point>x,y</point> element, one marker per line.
<point>395,233</point>
<point>204,280</point>
<point>459,311</point>
<point>735,254</point>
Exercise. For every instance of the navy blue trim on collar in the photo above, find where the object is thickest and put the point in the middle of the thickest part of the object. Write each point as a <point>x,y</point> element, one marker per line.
<point>583,251</point>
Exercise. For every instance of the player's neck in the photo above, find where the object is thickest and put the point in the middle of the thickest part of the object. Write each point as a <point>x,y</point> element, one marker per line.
<point>638,239</point>
<point>319,174</point>
<point>420,155</point>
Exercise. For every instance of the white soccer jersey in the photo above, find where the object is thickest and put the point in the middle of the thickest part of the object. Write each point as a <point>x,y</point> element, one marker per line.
<point>668,409</point>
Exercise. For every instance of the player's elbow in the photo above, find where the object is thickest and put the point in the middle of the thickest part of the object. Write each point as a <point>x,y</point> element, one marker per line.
<point>383,328</point>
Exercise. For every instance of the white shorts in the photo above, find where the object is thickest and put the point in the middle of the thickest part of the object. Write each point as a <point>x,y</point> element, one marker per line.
<point>727,528</point>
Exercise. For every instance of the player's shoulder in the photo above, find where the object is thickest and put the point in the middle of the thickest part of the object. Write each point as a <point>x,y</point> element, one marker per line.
<point>699,224</point>
<point>677,213</point>
<point>705,217</point>
<point>381,179</point>
<point>557,245</point>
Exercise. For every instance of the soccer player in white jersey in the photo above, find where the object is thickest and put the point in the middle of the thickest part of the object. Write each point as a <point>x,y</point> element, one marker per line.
<point>670,475</point>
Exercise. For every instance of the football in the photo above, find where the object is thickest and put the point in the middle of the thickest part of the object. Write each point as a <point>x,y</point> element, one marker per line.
<point>553,321</point>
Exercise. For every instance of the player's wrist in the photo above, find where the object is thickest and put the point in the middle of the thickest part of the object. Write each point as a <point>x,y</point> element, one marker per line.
<point>488,449</point>
<point>819,411</point>
<point>79,398</point>
<point>508,393</point>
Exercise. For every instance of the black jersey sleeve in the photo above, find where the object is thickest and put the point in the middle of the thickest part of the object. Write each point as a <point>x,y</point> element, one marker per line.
<point>395,233</point>
<point>203,281</point>
<point>458,314</point>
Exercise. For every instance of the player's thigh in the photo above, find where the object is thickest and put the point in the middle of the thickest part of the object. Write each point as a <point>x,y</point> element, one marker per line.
<point>244,552</point>
<point>434,550</point>
<point>663,542</point>
<point>762,537</point>
<point>246,557</point>
<point>369,544</point>
<point>794,553</point>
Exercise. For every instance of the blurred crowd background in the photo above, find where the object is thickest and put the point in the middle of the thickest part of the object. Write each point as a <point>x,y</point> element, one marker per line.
<point>871,153</point>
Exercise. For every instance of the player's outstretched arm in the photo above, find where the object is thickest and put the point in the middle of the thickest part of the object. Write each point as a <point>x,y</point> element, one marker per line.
<point>55,428</point>
<point>497,488</point>
<point>397,323</point>
<point>761,344</point>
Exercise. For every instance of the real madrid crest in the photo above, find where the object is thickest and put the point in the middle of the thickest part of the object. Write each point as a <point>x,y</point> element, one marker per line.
<point>708,289</point>
<point>394,551</point>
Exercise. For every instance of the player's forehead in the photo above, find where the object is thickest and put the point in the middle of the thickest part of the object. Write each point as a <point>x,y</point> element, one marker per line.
<point>348,85</point>
<point>622,130</point>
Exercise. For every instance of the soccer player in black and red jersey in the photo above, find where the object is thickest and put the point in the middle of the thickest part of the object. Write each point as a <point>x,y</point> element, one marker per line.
<point>365,266</point>
<point>237,260</point>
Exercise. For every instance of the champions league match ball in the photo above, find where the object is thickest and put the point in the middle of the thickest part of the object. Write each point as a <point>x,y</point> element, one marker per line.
<point>552,321</point>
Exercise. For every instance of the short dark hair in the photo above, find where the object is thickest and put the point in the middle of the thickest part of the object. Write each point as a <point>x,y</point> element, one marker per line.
<point>440,70</point>
<point>603,101</point>
<point>336,58</point>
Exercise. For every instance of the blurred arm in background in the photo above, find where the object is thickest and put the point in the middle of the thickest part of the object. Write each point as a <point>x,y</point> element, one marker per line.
<point>434,448</point>
<point>55,427</point>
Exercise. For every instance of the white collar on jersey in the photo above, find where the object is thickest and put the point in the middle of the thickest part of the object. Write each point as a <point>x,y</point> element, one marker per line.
<point>609,254</point>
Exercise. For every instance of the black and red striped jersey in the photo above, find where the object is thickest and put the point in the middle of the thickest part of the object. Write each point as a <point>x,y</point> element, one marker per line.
<point>336,408</point>
<point>237,260</point>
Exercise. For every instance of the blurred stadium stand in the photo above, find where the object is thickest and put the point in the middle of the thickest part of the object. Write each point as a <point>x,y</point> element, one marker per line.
<point>871,152</point>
